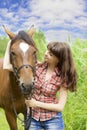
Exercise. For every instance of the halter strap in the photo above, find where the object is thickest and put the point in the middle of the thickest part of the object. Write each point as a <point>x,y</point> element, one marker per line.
<point>16,71</point>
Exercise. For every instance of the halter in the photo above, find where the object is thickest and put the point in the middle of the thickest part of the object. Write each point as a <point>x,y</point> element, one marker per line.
<point>16,70</point>
<point>27,120</point>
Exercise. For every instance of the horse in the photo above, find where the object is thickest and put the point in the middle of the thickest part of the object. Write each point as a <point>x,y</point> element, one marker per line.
<point>17,85</point>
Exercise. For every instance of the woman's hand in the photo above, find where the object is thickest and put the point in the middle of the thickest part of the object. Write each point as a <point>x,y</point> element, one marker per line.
<point>31,103</point>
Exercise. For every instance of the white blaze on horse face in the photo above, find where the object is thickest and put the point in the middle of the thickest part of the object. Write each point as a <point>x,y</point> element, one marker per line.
<point>24,47</point>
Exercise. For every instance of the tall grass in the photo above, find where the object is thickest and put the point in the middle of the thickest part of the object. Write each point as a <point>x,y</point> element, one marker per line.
<point>75,112</point>
<point>3,43</point>
<point>41,43</point>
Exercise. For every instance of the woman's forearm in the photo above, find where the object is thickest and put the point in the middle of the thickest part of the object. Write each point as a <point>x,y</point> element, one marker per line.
<point>49,106</point>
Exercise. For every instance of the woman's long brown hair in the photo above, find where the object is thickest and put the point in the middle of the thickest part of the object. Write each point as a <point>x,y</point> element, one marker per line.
<point>66,63</point>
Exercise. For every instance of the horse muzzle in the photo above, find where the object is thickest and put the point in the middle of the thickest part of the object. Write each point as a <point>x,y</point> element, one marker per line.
<point>27,88</point>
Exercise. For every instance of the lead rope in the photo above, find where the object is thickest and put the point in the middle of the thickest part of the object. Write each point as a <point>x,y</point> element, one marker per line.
<point>28,118</point>
<point>27,121</point>
<point>28,115</point>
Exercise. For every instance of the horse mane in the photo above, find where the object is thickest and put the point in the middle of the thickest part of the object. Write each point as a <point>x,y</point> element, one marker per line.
<point>24,36</point>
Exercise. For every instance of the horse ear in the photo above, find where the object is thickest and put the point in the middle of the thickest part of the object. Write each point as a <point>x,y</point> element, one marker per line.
<point>9,33</point>
<point>31,31</point>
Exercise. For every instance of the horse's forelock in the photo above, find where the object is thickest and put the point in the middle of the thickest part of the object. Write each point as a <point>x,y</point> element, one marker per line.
<point>24,36</point>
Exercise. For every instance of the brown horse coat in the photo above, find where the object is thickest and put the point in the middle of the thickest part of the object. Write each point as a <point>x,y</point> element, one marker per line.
<point>7,89</point>
<point>10,92</point>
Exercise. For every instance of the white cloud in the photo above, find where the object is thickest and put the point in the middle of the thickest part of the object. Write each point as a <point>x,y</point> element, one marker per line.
<point>57,18</point>
<point>53,35</point>
<point>54,9</point>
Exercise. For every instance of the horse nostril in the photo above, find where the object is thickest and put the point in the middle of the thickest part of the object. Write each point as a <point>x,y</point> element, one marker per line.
<point>23,86</point>
<point>32,87</point>
<point>33,83</point>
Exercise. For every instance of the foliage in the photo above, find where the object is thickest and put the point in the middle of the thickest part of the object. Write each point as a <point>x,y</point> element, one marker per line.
<point>3,43</point>
<point>75,112</point>
<point>40,41</point>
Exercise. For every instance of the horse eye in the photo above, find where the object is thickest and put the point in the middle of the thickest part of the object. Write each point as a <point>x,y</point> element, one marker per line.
<point>12,53</point>
<point>34,52</point>
<point>35,56</point>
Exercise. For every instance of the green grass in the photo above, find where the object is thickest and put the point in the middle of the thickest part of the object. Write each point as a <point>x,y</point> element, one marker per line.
<point>3,43</point>
<point>3,122</point>
<point>75,112</point>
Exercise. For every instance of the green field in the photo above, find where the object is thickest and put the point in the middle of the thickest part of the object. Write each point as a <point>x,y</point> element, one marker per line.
<point>75,112</point>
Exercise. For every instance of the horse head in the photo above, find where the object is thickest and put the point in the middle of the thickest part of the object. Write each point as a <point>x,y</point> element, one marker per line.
<point>23,59</point>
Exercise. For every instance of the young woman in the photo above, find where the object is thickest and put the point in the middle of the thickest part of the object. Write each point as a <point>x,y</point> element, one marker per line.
<point>56,74</point>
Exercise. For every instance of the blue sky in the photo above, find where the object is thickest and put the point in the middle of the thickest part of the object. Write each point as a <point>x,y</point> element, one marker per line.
<point>56,18</point>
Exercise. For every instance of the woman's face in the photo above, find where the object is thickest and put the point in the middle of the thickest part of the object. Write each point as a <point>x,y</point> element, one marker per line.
<point>50,58</point>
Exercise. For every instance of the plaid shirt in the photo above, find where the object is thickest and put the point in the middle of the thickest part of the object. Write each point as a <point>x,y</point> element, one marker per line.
<point>45,91</point>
